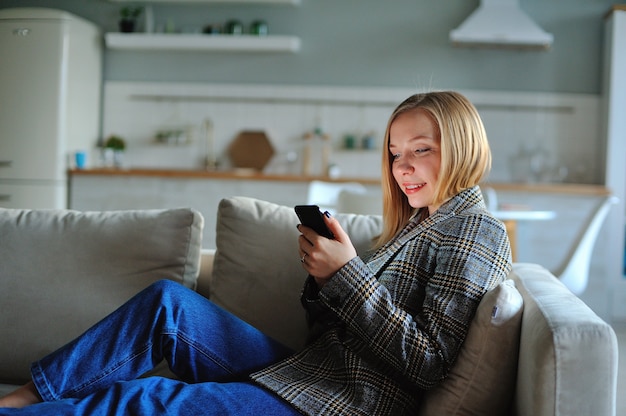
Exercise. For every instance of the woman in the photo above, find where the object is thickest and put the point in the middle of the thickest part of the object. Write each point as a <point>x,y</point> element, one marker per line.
<point>383,329</point>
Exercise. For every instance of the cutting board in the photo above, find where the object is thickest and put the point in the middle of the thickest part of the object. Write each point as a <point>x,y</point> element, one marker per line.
<point>251,149</point>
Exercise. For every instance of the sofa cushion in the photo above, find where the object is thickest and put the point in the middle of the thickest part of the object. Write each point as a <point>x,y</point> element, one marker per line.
<point>62,271</point>
<point>482,381</point>
<point>257,273</point>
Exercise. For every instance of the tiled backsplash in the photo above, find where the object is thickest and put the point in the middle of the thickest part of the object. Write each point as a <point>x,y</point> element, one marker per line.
<point>534,136</point>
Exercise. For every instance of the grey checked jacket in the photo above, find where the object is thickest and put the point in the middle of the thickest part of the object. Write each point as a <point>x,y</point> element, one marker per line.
<point>386,329</point>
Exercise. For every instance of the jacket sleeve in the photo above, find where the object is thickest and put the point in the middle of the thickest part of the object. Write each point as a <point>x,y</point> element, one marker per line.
<point>318,315</point>
<point>436,289</point>
<point>314,307</point>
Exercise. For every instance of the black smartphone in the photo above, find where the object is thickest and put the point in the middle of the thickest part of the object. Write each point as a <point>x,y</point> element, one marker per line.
<point>312,217</point>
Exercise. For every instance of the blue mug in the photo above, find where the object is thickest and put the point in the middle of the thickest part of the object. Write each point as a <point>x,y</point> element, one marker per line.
<point>80,158</point>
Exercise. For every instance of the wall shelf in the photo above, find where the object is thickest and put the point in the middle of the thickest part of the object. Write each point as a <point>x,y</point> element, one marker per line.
<point>287,2</point>
<point>195,42</point>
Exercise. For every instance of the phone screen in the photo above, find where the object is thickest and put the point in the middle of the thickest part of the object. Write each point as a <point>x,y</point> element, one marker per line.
<point>311,216</point>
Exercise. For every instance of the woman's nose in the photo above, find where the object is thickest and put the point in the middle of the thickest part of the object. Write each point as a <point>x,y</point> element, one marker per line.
<point>405,166</point>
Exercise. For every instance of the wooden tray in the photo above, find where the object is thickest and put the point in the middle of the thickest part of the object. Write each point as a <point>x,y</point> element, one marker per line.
<point>251,149</point>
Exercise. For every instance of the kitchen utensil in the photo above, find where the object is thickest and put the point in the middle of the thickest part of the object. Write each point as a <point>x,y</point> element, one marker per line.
<point>251,149</point>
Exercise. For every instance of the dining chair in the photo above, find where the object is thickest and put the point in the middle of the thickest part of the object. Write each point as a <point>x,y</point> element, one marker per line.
<point>491,198</point>
<point>325,194</point>
<point>574,272</point>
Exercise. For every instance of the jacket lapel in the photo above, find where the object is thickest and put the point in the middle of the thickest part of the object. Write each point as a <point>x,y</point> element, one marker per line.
<point>460,202</point>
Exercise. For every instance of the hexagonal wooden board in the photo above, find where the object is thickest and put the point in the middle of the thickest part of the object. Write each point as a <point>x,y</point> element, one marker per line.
<point>251,149</point>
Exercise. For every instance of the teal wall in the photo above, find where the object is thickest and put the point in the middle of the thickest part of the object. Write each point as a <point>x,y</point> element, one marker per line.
<point>396,43</point>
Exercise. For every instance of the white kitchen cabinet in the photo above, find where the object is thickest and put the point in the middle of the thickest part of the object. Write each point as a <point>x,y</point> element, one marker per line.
<point>614,103</point>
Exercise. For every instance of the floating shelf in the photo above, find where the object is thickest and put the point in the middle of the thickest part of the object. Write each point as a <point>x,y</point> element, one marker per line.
<point>194,42</point>
<point>292,2</point>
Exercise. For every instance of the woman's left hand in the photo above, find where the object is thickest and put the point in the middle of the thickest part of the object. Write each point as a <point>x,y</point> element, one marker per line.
<point>322,257</point>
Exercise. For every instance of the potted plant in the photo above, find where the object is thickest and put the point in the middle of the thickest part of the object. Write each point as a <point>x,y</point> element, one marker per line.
<point>128,18</point>
<point>114,147</point>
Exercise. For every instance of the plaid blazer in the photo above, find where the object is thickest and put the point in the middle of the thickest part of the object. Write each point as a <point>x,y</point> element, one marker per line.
<point>390,327</point>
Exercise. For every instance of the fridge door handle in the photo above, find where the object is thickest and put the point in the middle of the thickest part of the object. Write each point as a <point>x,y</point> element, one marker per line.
<point>5,163</point>
<point>5,197</point>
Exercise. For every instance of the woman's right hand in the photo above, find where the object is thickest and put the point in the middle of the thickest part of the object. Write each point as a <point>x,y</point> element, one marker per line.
<point>323,257</point>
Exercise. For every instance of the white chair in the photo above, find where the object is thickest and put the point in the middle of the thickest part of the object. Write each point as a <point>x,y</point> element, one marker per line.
<point>491,198</point>
<point>325,194</point>
<point>368,203</point>
<point>574,272</point>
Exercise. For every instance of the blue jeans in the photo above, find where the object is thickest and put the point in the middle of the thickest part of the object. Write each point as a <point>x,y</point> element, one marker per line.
<point>210,351</point>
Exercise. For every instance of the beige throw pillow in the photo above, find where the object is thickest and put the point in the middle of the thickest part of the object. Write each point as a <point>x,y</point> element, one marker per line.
<point>62,271</point>
<point>482,381</point>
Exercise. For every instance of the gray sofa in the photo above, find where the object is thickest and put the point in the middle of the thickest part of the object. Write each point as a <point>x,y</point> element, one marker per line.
<point>533,348</point>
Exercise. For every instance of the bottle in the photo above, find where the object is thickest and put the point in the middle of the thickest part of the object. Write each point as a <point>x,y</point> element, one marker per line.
<point>325,154</point>
<point>306,154</point>
<point>259,28</point>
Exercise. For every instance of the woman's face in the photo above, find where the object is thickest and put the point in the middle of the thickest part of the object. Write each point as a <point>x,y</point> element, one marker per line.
<point>414,143</point>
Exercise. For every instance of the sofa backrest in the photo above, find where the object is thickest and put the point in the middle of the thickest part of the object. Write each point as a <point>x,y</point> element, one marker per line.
<point>257,273</point>
<point>62,271</point>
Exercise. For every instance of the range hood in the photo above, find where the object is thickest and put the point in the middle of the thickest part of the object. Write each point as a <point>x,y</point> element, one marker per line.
<point>500,24</point>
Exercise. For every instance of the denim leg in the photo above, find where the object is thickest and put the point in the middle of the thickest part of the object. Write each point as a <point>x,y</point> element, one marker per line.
<point>161,396</point>
<point>200,341</point>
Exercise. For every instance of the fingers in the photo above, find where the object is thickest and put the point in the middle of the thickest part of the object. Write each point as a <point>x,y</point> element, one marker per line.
<point>307,238</point>
<point>320,256</point>
<point>334,226</point>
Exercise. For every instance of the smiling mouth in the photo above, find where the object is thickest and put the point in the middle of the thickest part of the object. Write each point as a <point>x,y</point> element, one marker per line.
<point>409,188</point>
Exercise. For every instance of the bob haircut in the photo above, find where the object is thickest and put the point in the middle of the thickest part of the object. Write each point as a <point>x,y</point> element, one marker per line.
<point>465,155</point>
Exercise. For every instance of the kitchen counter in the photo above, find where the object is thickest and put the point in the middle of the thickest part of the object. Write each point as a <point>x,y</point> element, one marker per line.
<point>562,208</point>
<point>235,174</point>
<point>558,188</point>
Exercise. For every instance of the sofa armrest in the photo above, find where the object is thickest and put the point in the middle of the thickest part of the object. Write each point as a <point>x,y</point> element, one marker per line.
<point>207,256</point>
<point>568,355</point>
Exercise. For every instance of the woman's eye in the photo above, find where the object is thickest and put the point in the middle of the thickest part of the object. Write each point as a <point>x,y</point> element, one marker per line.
<point>419,151</point>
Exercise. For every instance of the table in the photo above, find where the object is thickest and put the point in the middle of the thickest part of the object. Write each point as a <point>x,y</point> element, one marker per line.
<point>510,219</point>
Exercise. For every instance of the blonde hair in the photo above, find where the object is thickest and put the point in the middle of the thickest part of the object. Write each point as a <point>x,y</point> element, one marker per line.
<point>465,155</point>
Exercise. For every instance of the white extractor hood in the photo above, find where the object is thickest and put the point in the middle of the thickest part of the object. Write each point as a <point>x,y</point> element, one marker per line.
<point>502,24</point>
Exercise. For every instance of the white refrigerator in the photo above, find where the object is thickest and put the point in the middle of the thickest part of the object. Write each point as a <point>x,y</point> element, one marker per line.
<point>50,102</point>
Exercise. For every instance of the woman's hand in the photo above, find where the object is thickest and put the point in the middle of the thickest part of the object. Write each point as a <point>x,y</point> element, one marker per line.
<point>322,257</point>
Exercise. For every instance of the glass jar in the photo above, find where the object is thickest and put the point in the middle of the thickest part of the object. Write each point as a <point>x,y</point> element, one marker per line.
<point>234,27</point>
<point>259,27</point>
